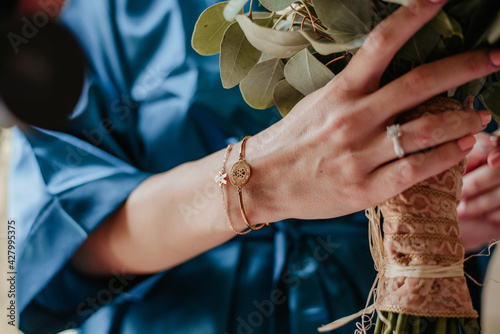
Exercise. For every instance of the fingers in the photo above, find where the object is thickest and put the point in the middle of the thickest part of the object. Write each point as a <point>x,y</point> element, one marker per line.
<point>477,232</point>
<point>366,68</point>
<point>481,193</point>
<point>430,131</point>
<point>480,206</point>
<point>390,179</point>
<point>494,217</point>
<point>494,158</point>
<point>431,79</point>
<point>479,155</point>
<point>480,181</point>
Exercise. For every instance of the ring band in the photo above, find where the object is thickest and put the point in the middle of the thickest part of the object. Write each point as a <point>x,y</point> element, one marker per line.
<point>394,132</point>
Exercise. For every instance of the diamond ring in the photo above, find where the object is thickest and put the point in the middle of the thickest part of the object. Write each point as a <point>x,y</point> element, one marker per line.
<point>394,132</point>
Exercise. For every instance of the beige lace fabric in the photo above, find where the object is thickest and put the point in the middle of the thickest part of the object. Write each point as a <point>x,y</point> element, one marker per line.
<point>420,229</point>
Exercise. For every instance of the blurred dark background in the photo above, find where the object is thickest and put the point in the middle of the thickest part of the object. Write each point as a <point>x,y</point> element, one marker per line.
<point>41,64</point>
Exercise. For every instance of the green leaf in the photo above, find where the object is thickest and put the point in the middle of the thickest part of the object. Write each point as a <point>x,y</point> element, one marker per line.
<point>343,36</point>
<point>493,32</point>
<point>285,97</point>
<point>279,44</point>
<point>445,25</point>
<point>326,47</point>
<point>355,17</point>
<point>469,326</point>
<point>420,45</point>
<point>490,98</point>
<point>209,30</point>
<point>233,8</point>
<point>400,2</point>
<point>276,5</point>
<point>307,74</point>
<point>237,56</point>
<point>258,86</point>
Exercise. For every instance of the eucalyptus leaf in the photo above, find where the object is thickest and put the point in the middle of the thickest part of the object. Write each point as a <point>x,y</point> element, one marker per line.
<point>209,30</point>
<point>326,47</point>
<point>469,326</point>
<point>493,32</point>
<point>305,73</point>
<point>286,97</point>
<point>279,44</point>
<point>237,56</point>
<point>400,2</point>
<point>258,86</point>
<point>420,46</point>
<point>276,5</point>
<point>263,19</point>
<point>445,25</point>
<point>490,98</point>
<point>343,36</point>
<point>355,17</point>
<point>233,8</point>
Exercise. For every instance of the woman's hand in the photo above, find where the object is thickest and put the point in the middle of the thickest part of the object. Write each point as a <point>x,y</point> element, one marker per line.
<point>479,210</point>
<point>331,155</point>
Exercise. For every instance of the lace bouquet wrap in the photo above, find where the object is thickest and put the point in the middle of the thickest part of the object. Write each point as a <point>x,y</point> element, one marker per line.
<point>423,256</point>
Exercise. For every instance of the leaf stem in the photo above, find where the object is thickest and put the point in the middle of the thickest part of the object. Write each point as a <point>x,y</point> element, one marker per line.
<point>334,60</point>
<point>250,12</point>
<point>282,17</point>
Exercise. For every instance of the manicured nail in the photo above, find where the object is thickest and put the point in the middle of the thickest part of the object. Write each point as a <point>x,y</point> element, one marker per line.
<point>485,117</point>
<point>494,140</point>
<point>494,159</point>
<point>495,57</point>
<point>466,143</point>
<point>461,209</point>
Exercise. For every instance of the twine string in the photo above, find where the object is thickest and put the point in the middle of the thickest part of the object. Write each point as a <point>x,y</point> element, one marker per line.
<point>385,269</point>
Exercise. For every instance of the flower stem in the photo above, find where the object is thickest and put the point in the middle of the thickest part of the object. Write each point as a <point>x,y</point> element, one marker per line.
<point>441,326</point>
<point>392,318</point>
<point>401,324</point>
<point>453,326</point>
<point>416,326</point>
<point>379,325</point>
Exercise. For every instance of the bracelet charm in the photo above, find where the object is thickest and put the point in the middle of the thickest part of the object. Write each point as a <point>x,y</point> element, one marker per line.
<point>240,173</point>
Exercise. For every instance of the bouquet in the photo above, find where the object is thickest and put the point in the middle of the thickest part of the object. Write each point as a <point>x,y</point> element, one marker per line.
<point>281,50</point>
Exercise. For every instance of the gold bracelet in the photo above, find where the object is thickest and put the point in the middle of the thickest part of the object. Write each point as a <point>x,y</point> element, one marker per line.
<point>238,176</point>
<point>220,178</point>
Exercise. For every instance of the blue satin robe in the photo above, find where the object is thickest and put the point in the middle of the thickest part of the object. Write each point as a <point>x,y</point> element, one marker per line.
<point>149,104</point>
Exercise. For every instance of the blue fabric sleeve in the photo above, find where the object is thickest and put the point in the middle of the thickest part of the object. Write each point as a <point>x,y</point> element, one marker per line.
<point>77,187</point>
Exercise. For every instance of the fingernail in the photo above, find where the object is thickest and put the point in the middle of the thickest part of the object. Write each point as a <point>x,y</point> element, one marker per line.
<point>466,143</point>
<point>494,159</point>
<point>485,117</point>
<point>437,1</point>
<point>461,208</point>
<point>494,140</point>
<point>495,57</point>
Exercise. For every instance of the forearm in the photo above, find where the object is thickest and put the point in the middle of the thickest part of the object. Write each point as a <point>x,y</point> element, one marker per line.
<point>168,219</point>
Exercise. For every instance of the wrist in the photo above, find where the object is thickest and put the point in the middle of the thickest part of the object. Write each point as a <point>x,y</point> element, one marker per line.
<point>258,195</point>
